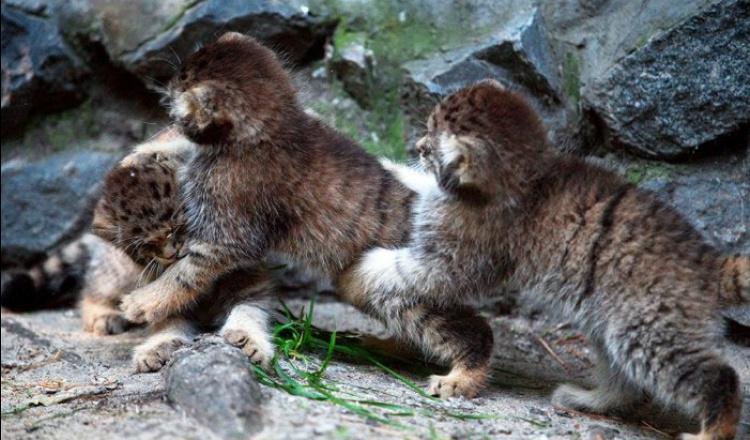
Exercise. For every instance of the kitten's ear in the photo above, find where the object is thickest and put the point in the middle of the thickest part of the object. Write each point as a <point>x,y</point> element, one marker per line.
<point>232,36</point>
<point>460,172</point>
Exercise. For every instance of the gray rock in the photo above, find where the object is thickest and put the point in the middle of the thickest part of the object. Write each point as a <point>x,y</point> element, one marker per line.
<point>211,381</point>
<point>684,91</point>
<point>352,64</point>
<point>282,25</point>
<point>40,73</point>
<point>47,202</point>
<point>598,33</point>
<point>712,194</point>
<point>518,56</point>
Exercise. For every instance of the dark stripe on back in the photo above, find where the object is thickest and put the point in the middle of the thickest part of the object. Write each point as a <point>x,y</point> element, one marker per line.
<point>605,227</point>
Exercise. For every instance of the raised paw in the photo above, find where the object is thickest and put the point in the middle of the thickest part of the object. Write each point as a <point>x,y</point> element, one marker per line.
<point>257,347</point>
<point>153,355</point>
<point>111,323</point>
<point>455,384</point>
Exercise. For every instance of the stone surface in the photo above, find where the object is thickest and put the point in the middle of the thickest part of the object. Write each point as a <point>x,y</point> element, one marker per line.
<point>686,90</point>
<point>518,55</point>
<point>60,383</point>
<point>282,25</point>
<point>211,382</point>
<point>598,33</point>
<point>713,193</point>
<point>352,63</point>
<point>40,73</point>
<point>48,201</point>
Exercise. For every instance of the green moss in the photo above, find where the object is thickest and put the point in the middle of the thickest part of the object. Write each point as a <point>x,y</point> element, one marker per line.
<point>634,175</point>
<point>344,37</point>
<point>638,173</point>
<point>394,34</point>
<point>572,78</point>
<point>64,130</point>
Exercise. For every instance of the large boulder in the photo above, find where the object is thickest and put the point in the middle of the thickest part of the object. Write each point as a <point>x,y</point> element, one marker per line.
<point>684,91</point>
<point>170,30</point>
<point>518,55</point>
<point>212,382</point>
<point>40,73</point>
<point>47,202</point>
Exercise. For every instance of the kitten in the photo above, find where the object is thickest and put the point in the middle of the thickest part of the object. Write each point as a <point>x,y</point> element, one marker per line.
<point>141,213</point>
<point>627,269</point>
<point>268,178</point>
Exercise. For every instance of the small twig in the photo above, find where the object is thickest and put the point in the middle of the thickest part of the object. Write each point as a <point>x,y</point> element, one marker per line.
<point>649,426</point>
<point>552,353</point>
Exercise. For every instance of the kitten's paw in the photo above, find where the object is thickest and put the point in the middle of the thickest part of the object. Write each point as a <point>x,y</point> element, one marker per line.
<point>111,323</point>
<point>152,355</point>
<point>455,384</point>
<point>574,398</point>
<point>142,305</point>
<point>257,347</point>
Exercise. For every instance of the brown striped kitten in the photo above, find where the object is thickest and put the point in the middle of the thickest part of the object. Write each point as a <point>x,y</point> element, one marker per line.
<point>269,178</point>
<point>141,214</point>
<point>626,268</point>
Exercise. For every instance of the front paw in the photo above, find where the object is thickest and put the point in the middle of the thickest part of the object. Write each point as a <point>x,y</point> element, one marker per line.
<point>152,355</point>
<point>257,347</point>
<point>142,306</point>
<point>455,384</point>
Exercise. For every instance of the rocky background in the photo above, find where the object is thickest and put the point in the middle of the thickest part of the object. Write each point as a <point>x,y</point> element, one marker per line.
<point>657,89</point>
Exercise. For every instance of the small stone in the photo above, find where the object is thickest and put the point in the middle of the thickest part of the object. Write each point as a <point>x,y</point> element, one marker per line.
<point>211,381</point>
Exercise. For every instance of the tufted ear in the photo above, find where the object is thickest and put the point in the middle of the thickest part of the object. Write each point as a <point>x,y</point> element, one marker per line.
<point>232,36</point>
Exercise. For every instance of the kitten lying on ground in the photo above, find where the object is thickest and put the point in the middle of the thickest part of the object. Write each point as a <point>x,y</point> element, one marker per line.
<point>627,269</point>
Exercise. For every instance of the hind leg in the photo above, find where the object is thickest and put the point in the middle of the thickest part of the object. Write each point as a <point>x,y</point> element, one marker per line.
<point>713,389</point>
<point>613,393</point>
<point>678,365</point>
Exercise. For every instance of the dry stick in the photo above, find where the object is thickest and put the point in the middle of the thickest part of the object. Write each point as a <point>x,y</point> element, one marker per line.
<point>647,425</point>
<point>552,353</point>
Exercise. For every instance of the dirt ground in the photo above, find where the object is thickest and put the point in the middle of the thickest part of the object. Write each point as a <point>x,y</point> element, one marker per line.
<point>59,382</point>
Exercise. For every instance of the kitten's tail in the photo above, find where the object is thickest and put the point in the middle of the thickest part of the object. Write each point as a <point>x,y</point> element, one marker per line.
<point>54,282</point>
<point>735,280</point>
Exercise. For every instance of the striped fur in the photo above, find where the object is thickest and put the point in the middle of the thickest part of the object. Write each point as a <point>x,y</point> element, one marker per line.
<point>627,269</point>
<point>269,179</point>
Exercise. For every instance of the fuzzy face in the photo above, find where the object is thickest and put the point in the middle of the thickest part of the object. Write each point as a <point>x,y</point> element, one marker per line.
<point>479,139</point>
<point>230,92</point>
<point>141,212</point>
